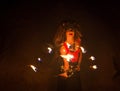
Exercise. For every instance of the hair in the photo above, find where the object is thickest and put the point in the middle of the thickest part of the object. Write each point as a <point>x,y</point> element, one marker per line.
<point>60,35</point>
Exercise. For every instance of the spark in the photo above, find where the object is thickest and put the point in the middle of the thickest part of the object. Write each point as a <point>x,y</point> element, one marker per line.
<point>33,67</point>
<point>92,58</point>
<point>68,57</point>
<point>94,67</point>
<point>39,59</point>
<point>83,50</point>
<point>49,50</point>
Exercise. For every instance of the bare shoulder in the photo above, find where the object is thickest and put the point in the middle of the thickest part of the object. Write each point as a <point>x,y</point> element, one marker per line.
<point>62,50</point>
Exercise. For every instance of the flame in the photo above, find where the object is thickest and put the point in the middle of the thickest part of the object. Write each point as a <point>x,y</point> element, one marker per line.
<point>68,57</point>
<point>49,50</point>
<point>34,68</point>
<point>83,50</point>
<point>94,67</point>
<point>92,58</point>
<point>39,59</point>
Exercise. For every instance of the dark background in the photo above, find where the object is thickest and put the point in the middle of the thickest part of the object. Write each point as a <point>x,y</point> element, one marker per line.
<point>27,27</point>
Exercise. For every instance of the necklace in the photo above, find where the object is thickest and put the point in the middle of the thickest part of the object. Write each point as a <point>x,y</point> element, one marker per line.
<point>71,46</point>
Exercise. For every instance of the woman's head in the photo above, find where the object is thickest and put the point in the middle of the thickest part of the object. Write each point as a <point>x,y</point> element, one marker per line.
<point>70,33</point>
<point>67,26</point>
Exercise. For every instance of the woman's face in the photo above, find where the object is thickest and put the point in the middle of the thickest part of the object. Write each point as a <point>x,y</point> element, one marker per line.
<point>70,33</point>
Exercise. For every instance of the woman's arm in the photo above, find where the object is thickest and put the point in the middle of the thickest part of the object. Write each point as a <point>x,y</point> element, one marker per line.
<point>80,58</point>
<point>79,55</point>
<point>66,63</point>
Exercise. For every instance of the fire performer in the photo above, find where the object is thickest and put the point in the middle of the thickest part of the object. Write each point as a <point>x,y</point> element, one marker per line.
<point>68,56</point>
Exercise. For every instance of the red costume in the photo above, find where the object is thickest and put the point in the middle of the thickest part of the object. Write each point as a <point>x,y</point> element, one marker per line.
<point>74,53</point>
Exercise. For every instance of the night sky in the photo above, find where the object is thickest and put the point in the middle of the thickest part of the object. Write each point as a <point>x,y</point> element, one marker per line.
<point>27,27</point>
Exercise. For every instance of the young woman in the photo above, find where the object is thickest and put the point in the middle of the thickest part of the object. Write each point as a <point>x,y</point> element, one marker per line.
<point>68,55</point>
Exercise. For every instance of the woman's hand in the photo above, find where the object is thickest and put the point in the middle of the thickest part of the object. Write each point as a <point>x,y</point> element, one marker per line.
<point>64,75</point>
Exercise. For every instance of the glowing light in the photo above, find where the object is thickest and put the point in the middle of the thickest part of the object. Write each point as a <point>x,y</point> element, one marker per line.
<point>83,50</point>
<point>94,67</point>
<point>33,68</point>
<point>92,58</point>
<point>68,57</point>
<point>39,59</point>
<point>49,50</point>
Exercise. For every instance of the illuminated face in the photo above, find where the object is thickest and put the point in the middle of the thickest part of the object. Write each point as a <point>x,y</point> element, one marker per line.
<point>70,33</point>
